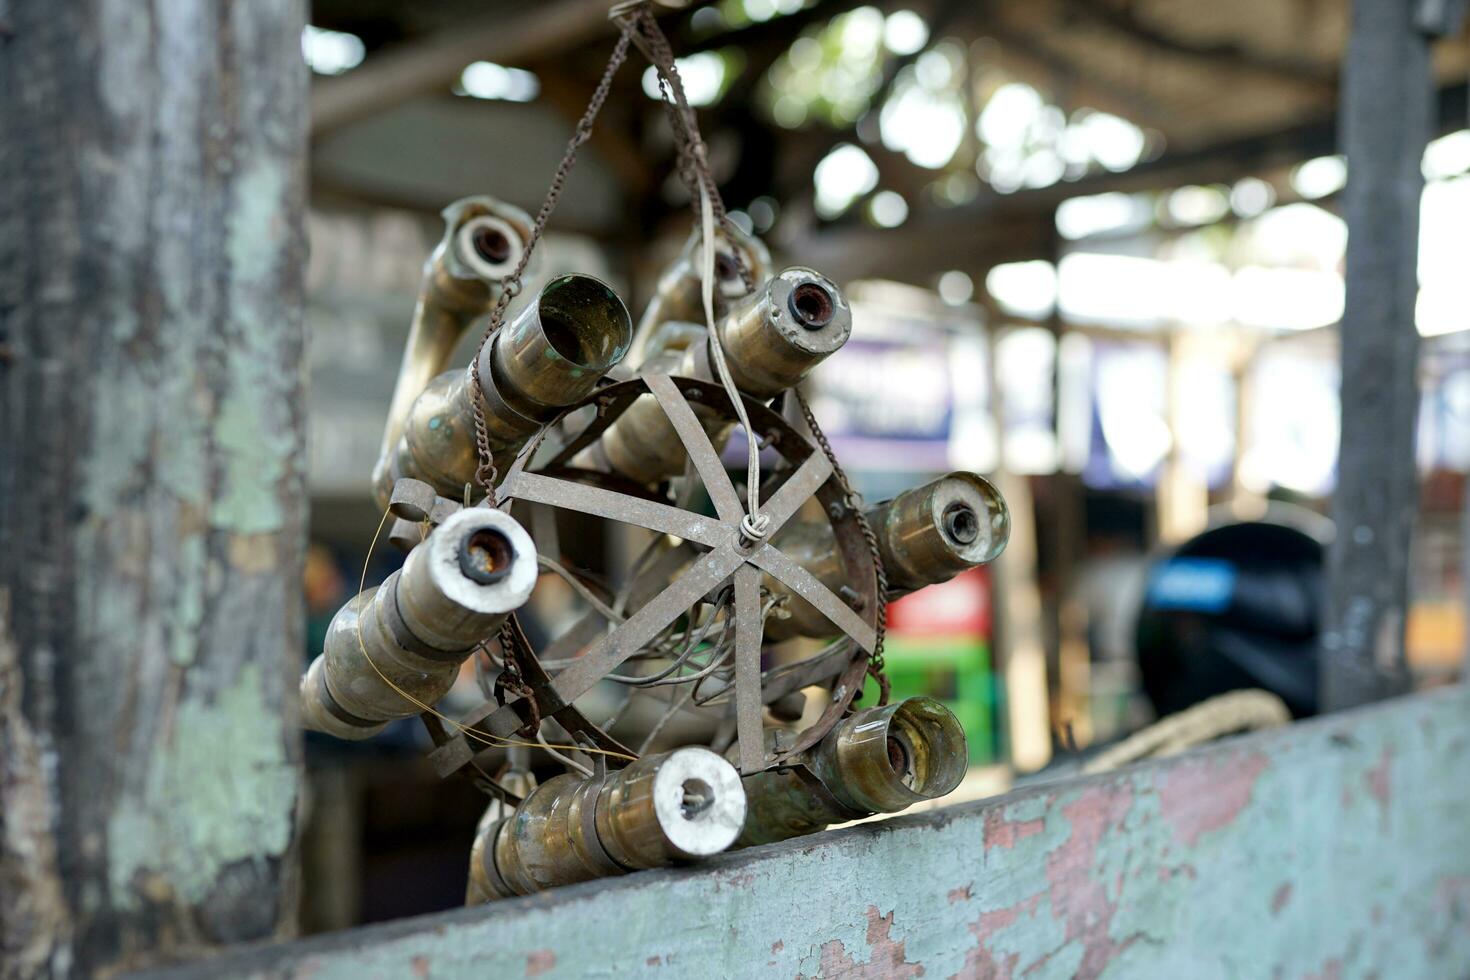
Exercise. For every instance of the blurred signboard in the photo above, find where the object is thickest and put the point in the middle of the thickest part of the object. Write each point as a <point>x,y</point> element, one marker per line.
<point>910,392</point>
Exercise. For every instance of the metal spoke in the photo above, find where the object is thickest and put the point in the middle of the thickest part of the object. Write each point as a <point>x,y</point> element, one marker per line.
<point>785,502</point>
<point>748,727</point>
<point>810,588</point>
<point>697,444</point>
<point>614,506</point>
<point>629,637</point>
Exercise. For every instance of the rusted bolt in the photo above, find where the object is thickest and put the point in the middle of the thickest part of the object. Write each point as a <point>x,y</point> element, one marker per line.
<point>851,597</point>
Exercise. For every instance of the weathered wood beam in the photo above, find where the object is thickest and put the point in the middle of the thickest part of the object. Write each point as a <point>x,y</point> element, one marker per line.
<point>1123,20</point>
<point>1387,118</point>
<point>983,229</point>
<point>778,29</point>
<point>1332,847</point>
<point>152,490</point>
<point>432,64</point>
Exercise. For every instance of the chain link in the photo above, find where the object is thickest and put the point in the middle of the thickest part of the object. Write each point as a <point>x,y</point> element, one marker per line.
<point>485,472</point>
<point>514,647</point>
<point>693,157</point>
<point>876,665</point>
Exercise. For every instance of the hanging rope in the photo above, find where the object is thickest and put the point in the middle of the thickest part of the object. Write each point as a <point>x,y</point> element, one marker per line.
<point>709,210</point>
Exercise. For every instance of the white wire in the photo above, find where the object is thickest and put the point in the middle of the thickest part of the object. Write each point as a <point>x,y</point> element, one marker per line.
<point>754,524</point>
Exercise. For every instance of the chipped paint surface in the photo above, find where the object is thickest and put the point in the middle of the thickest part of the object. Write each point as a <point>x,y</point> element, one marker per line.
<point>199,814</point>
<point>152,494</point>
<point>1159,870</point>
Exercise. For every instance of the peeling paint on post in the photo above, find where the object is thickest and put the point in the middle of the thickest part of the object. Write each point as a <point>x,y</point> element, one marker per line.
<point>1333,847</point>
<point>152,500</point>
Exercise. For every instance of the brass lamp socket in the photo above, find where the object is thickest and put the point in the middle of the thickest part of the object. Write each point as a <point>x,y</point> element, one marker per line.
<point>395,648</point>
<point>661,810</point>
<point>881,760</point>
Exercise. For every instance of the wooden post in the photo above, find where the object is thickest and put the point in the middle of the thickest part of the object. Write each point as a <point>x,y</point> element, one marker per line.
<point>1386,113</point>
<point>152,499</point>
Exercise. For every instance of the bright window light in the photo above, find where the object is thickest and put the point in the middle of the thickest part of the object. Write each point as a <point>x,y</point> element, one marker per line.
<point>1319,177</point>
<point>1287,299</point>
<point>1443,308</point>
<point>1026,289</point>
<point>1250,196</point>
<point>923,125</point>
<point>1444,239</point>
<point>889,209</point>
<point>1007,116</point>
<point>1447,156</point>
<point>843,176</point>
<point>1197,205</point>
<point>1297,235</point>
<point>955,287</point>
<point>487,80</point>
<point>331,52</point>
<point>1112,141</point>
<point>1096,214</point>
<point>703,76</point>
<point>1133,291</point>
<point>760,10</point>
<point>904,32</point>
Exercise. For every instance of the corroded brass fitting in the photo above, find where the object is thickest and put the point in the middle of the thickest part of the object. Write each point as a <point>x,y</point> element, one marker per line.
<point>932,533</point>
<point>551,355</point>
<point>660,810</point>
<point>926,535</point>
<point>483,242</point>
<point>881,760</point>
<point>772,340</point>
<point>677,296</point>
<point>398,646</point>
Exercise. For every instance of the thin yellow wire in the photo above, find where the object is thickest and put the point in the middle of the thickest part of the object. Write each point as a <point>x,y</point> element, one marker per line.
<point>486,737</point>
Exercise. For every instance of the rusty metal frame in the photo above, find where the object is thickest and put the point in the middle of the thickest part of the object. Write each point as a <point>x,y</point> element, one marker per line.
<point>729,555</point>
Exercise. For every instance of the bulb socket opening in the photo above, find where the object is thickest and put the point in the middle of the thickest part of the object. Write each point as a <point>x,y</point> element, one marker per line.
<point>812,305</point>
<point>488,246</point>
<point>961,523</point>
<point>699,796</point>
<point>486,556</point>
<point>491,244</point>
<point>725,268</point>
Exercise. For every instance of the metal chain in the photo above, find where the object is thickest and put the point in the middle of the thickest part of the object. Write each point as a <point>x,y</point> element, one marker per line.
<point>513,647</point>
<point>693,157</point>
<point>876,665</point>
<point>485,472</point>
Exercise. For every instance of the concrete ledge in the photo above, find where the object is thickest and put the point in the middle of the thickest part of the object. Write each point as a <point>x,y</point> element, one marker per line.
<point>1338,847</point>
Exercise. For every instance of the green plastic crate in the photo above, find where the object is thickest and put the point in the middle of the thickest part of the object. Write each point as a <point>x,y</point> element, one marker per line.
<point>954,670</point>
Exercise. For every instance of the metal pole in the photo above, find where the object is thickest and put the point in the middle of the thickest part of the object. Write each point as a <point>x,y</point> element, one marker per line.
<point>152,497</point>
<point>1386,117</point>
